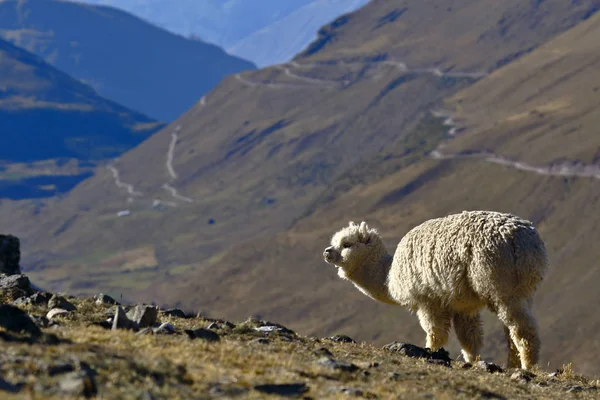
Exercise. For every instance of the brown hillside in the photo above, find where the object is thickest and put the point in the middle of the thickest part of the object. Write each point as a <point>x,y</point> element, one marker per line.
<point>272,162</point>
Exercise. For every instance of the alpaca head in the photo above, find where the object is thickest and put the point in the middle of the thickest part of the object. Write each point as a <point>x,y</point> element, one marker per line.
<point>351,247</point>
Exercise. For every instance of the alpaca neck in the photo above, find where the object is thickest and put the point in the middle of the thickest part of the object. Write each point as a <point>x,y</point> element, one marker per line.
<point>372,277</point>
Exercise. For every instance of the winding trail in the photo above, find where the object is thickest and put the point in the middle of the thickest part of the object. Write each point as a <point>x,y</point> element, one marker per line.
<point>176,194</point>
<point>564,169</point>
<point>169,163</point>
<point>122,185</point>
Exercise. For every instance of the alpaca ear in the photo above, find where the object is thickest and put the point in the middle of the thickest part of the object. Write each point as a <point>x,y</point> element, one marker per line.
<point>364,229</point>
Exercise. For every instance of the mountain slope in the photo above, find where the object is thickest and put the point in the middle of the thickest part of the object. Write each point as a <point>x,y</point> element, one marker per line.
<point>264,168</point>
<point>60,115</point>
<point>122,57</point>
<point>266,32</point>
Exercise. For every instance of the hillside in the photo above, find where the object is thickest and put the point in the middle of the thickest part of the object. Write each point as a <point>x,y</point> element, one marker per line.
<point>64,119</point>
<point>121,56</point>
<point>89,348</point>
<point>266,32</point>
<point>268,165</point>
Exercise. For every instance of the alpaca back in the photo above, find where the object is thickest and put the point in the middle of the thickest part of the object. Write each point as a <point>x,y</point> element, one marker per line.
<point>470,258</point>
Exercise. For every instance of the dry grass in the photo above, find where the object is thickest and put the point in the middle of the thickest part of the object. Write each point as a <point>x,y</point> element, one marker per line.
<point>175,367</point>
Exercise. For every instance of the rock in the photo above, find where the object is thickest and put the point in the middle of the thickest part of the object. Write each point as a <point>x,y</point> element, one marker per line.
<point>323,352</point>
<point>346,391</point>
<point>8,387</point>
<point>145,331</point>
<point>288,389</point>
<point>10,255</point>
<point>342,339</point>
<point>213,326</point>
<point>40,298</point>
<point>394,376</point>
<point>489,367</point>
<point>143,315</point>
<point>15,286</point>
<point>56,311</point>
<point>58,301</point>
<point>62,368</point>
<point>267,329</point>
<point>436,361</point>
<point>410,350</point>
<point>261,341</point>
<point>120,321</point>
<point>164,329</point>
<point>105,299</point>
<point>175,312</point>
<point>202,333</point>
<point>335,364</point>
<point>78,383</point>
<point>16,320</point>
<point>522,376</point>
<point>574,389</point>
<point>41,321</point>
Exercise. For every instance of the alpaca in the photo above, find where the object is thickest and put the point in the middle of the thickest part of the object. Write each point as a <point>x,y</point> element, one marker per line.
<point>447,269</point>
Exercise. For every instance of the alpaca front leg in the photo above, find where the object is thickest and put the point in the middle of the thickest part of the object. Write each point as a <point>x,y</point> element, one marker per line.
<point>469,331</point>
<point>436,324</point>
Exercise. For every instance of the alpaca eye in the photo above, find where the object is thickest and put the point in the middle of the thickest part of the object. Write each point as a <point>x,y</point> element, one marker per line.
<point>347,245</point>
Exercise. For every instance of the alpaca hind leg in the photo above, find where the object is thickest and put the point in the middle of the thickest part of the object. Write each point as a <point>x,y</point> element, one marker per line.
<point>469,331</point>
<point>522,328</point>
<point>436,324</point>
<point>514,360</point>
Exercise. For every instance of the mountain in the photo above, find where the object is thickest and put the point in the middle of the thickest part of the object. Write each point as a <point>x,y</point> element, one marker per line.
<point>266,32</point>
<point>122,57</point>
<point>47,115</point>
<point>258,175</point>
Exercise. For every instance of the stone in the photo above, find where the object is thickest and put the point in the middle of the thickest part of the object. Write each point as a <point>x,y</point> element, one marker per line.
<point>342,339</point>
<point>78,384</point>
<point>286,389</point>
<point>335,364</point>
<point>41,321</point>
<point>261,341</point>
<point>58,301</point>
<point>489,367</point>
<point>16,320</point>
<point>522,376</point>
<point>410,350</point>
<point>10,255</point>
<point>105,299</point>
<point>143,315</point>
<point>120,321</point>
<point>55,312</point>
<point>175,312</point>
<point>213,325</point>
<point>164,329</point>
<point>15,286</point>
<point>202,333</point>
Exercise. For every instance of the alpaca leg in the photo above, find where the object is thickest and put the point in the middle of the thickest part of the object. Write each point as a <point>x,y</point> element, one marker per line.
<point>514,360</point>
<point>436,324</point>
<point>523,331</point>
<point>469,331</point>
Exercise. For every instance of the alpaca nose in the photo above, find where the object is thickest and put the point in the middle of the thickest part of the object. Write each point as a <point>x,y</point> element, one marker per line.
<point>328,251</point>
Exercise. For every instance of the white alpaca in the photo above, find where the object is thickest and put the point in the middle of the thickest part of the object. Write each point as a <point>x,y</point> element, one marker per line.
<point>447,269</point>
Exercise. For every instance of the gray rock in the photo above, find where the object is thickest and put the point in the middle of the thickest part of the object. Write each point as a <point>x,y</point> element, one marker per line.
<point>288,389</point>
<point>213,325</point>
<point>489,367</point>
<point>342,339</point>
<point>16,320</point>
<point>346,390</point>
<point>41,321</point>
<point>164,329</point>
<point>143,315</point>
<point>55,312</point>
<point>202,333</point>
<point>15,286</point>
<point>522,376</point>
<point>58,301</point>
<point>338,365</point>
<point>105,299</point>
<point>261,341</point>
<point>175,312</point>
<point>410,350</point>
<point>10,255</point>
<point>120,321</point>
<point>78,384</point>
